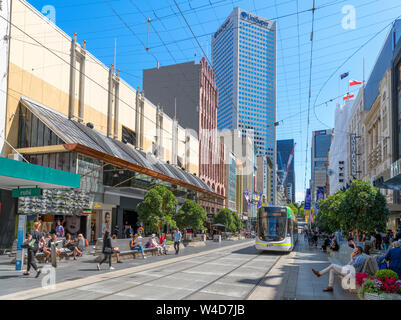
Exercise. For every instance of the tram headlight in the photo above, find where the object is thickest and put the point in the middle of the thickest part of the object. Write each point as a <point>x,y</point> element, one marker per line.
<point>261,238</point>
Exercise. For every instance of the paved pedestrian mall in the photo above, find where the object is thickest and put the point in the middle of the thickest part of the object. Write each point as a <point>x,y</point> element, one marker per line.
<point>232,270</point>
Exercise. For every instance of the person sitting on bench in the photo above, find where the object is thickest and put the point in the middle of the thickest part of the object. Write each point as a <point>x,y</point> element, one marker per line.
<point>116,250</point>
<point>357,262</point>
<point>156,245</point>
<point>134,245</point>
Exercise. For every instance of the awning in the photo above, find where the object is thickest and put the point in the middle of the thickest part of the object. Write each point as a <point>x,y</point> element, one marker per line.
<point>92,143</point>
<point>17,174</point>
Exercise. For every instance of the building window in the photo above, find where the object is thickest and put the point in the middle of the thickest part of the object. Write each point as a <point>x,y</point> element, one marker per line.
<point>128,136</point>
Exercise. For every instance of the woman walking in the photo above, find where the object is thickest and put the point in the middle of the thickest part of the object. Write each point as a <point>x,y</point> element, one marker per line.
<point>107,250</point>
<point>34,238</point>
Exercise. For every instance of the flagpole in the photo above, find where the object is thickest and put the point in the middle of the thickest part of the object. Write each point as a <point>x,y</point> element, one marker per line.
<point>363,84</point>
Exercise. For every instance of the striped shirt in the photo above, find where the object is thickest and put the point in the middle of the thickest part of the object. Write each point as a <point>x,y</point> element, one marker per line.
<point>357,262</point>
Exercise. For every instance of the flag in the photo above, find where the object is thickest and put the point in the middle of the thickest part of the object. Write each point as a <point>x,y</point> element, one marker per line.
<point>355,82</point>
<point>348,96</point>
<point>344,75</point>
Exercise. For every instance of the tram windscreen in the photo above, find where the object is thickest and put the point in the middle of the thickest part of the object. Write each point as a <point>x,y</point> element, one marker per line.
<point>272,225</point>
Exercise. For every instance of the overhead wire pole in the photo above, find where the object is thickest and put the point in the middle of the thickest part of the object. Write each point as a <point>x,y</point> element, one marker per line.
<point>310,92</point>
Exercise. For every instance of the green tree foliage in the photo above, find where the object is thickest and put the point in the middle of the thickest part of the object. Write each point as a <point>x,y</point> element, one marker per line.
<point>360,208</point>
<point>237,222</point>
<point>298,209</point>
<point>225,217</point>
<point>158,208</point>
<point>191,215</point>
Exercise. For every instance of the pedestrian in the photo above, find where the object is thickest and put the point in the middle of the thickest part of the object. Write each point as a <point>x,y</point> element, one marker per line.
<point>177,240</point>
<point>59,229</point>
<point>378,241</point>
<point>33,247</point>
<point>129,231</point>
<point>107,250</point>
<point>116,230</point>
<point>386,241</point>
<point>315,238</point>
<point>310,238</point>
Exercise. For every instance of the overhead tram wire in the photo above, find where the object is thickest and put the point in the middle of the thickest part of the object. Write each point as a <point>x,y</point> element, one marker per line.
<point>332,45</point>
<point>168,50</point>
<point>282,59</point>
<point>346,60</point>
<point>299,72</point>
<point>310,91</point>
<point>208,34</point>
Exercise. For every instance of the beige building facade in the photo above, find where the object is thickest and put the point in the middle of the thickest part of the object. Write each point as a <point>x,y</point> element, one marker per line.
<point>63,103</point>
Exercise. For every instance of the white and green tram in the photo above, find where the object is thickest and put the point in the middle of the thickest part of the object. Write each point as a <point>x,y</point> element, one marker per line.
<point>276,229</point>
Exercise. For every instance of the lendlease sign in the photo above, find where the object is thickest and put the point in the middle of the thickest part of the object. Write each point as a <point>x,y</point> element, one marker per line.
<point>248,17</point>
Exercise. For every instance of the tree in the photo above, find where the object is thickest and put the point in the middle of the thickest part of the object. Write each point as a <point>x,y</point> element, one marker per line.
<point>237,222</point>
<point>192,215</point>
<point>365,208</point>
<point>298,209</point>
<point>157,209</point>
<point>225,217</point>
<point>331,212</point>
<point>360,208</point>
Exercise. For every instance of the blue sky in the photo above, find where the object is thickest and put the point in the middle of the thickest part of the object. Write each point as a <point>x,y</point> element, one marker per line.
<point>95,22</point>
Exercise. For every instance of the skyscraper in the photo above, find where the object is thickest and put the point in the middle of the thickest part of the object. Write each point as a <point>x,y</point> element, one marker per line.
<point>187,91</point>
<point>321,142</point>
<point>284,150</point>
<point>244,62</point>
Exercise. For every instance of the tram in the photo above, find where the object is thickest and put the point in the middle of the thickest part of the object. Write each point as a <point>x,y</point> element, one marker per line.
<point>276,229</point>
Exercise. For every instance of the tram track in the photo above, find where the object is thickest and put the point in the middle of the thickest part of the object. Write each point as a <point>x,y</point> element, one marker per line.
<point>219,278</point>
<point>178,271</point>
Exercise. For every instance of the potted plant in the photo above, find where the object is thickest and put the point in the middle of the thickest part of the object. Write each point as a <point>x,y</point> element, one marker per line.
<point>385,285</point>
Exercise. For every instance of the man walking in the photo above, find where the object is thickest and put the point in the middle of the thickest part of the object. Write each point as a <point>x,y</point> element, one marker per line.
<point>177,240</point>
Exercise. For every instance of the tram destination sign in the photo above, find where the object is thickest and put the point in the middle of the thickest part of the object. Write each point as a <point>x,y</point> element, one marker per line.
<point>26,192</point>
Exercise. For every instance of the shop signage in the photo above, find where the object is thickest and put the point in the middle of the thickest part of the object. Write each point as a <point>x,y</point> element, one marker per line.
<point>353,154</point>
<point>86,211</point>
<point>26,192</point>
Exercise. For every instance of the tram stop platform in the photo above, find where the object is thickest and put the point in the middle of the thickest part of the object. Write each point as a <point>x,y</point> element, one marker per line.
<point>292,277</point>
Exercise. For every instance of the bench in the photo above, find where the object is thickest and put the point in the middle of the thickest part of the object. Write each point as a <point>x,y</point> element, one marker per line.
<point>124,249</point>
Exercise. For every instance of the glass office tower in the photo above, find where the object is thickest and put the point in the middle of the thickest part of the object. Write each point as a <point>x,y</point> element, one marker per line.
<point>244,62</point>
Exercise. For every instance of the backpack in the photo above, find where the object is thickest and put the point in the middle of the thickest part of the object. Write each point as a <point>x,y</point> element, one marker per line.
<point>86,243</point>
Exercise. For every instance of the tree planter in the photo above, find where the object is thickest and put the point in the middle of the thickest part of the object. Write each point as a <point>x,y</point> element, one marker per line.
<point>382,296</point>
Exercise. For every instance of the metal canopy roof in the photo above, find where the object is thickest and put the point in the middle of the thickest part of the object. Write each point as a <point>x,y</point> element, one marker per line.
<point>77,135</point>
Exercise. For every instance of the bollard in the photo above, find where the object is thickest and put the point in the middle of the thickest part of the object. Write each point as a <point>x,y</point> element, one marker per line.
<point>53,255</point>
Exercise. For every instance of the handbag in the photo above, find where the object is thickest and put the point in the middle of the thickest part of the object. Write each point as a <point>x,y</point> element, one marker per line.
<point>29,244</point>
<point>107,250</point>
